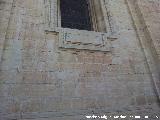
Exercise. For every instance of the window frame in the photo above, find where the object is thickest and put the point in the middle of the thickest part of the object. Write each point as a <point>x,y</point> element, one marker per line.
<point>53,24</point>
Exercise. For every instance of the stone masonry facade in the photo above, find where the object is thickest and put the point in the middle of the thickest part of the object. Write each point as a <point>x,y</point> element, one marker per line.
<point>44,76</point>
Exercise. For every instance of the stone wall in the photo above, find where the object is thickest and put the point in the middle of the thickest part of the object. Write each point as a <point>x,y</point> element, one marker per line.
<point>40,81</point>
<point>151,14</point>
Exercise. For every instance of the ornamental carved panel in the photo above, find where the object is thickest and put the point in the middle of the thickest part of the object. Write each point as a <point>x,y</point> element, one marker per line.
<point>83,40</point>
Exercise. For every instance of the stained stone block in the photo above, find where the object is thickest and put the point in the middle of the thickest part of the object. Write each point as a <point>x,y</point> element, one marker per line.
<point>140,100</point>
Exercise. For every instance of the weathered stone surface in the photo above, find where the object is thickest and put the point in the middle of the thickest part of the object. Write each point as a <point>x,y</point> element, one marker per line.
<point>40,81</point>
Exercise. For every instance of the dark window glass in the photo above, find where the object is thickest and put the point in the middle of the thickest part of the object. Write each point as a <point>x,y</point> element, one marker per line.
<point>75,14</point>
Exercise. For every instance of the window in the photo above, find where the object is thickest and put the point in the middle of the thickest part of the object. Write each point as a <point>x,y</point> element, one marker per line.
<point>75,14</point>
<point>82,15</point>
<point>79,24</point>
